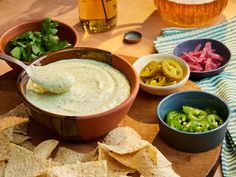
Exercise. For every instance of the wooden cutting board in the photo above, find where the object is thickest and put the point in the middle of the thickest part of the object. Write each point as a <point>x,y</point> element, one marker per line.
<point>141,117</point>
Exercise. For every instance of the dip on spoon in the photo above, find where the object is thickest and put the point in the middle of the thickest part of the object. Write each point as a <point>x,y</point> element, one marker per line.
<point>46,77</point>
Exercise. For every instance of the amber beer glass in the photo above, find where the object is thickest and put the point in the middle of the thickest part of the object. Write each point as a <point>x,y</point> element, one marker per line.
<point>97,15</point>
<point>190,13</point>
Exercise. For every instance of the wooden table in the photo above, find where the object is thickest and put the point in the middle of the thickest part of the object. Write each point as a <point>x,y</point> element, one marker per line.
<point>138,15</point>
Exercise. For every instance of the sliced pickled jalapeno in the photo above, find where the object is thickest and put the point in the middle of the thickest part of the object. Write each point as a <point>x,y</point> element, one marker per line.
<point>192,119</point>
<point>172,69</point>
<point>150,69</point>
<point>164,73</point>
<point>156,81</point>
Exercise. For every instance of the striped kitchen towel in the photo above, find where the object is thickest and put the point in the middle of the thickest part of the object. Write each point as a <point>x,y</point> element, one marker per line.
<point>222,85</point>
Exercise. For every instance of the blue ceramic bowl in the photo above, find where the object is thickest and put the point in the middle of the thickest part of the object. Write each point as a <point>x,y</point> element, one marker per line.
<point>219,47</point>
<point>196,141</point>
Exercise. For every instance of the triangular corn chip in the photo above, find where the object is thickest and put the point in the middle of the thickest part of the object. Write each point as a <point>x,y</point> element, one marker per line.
<point>18,111</point>
<point>87,169</point>
<point>114,168</point>
<point>2,168</point>
<point>24,163</point>
<point>8,122</point>
<point>68,156</point>
<point>45,149</point>
<point>4,148</point>
<point>123,140</point>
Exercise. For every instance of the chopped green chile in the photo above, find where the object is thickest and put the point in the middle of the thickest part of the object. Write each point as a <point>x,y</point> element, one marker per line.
<point>191,119</point>
<point>197,114</point>
<point>214,120</point>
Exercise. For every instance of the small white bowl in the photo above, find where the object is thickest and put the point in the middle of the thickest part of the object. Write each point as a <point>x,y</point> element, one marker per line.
<point>161,90</point>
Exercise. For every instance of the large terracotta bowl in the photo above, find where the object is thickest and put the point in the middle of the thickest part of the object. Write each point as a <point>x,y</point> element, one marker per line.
<point>82,127</point>
<point>65,32</point>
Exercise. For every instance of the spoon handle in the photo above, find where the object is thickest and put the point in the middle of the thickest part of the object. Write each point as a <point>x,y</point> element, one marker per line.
<point>13,60</point>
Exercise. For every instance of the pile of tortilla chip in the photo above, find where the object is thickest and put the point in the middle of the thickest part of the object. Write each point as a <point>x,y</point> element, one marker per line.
<point>122,153</point>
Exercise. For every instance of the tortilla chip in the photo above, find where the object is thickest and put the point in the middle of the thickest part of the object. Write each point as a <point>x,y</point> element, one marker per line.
<point>87,169</point>
<point>90,156</point>
<point>4,148</point>
<point>7,122</point>
<point>19,138</point>
<point>24,163</point>
<point>2,168</point>
<point>68,156</point>
<point>162,161</point>
<point>28,145</point>
<point>18,111</point>
<point>140,160</point>
<point>114,168</point>
<point>120,134</point>
<point>8,133</point>
<point>21,128</point>
<point>45,149</point>
<point>123,140</point>
<point>147,161</point>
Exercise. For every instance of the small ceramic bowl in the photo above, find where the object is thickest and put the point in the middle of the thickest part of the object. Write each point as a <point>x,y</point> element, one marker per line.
<point>65,32</point>
<point>219,47</point>
<point>196,141</point>
<point>161,90</point>
<point>81,128</point>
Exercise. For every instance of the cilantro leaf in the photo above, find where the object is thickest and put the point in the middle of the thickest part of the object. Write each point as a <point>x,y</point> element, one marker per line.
<point>48,27</point>
<point>30,45</point>
<point>16,52</point>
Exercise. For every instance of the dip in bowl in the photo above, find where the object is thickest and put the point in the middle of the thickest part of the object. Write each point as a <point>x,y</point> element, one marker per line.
<point>91,121</point>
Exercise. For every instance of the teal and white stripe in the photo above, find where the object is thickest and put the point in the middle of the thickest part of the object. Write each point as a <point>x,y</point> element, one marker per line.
<point>222,85</point>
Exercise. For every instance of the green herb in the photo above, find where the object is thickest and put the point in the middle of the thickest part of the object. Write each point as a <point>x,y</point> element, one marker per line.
<point>30,45</point>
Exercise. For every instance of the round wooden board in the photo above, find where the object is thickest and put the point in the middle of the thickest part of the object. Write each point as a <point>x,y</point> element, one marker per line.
<point>141,117</point>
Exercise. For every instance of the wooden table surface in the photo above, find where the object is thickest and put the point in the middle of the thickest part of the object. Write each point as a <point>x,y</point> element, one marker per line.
<point>140,15</point>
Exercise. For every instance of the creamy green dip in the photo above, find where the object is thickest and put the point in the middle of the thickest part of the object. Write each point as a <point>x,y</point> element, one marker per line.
<point>98,87</point>
<point>47,78</point>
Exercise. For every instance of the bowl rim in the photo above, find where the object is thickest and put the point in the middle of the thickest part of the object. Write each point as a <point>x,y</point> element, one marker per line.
<point>91,116</point>
<point>209,39</point>
<point>13,27</point>
<point>174,86</point>
<point>192,91</point>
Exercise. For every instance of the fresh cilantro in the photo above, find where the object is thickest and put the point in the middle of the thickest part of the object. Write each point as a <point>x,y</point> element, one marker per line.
<point>16,52</point>
<point>30,45</point>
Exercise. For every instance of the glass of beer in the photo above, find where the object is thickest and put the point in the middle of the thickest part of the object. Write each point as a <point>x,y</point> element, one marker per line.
<point>190,13</point>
